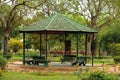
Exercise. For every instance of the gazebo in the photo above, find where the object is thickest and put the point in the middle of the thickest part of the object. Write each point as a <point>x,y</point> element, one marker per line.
<point>56,24</point>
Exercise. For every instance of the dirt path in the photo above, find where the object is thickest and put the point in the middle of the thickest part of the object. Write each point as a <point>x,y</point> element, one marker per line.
<point>17,66</point>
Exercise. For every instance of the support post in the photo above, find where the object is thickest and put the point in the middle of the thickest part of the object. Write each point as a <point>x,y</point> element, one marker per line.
<point>23,48</point>
<point>46,45</point>
<point>46,64</point>
<point>65,41</point>
<point>85,44</point>
<point>92,48</point>
<point>77,38</point>
<point>86,47</point>
<point>40,43</point>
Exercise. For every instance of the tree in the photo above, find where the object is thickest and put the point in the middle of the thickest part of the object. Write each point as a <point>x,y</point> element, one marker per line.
<point>11,12</point>
<point>97,14</point>
<point>109,39</point>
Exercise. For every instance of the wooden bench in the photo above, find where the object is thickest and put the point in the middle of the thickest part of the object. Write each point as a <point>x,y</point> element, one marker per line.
<point>68,58</point>
<point>28,60</point>
<point>80,61</point>
<point>36,60</point>
<point>39,59</point>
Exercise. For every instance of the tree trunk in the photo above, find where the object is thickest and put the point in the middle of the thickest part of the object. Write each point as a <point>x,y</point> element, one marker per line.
<point>89,42</point>
<point>89,47</point>
<point>5,41</point>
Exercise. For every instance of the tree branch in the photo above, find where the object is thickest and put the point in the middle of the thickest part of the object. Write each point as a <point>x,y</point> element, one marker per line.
<point>82,13</point>
<point>107,22</point>
<point>24,3</point>
<point>12,10</point>
<point>2,20</point>
<point>15,22</point>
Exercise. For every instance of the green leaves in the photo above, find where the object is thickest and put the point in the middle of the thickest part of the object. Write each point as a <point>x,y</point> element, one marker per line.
<point>100,75</point>
<point>109,37</point>
<point>15,45</point>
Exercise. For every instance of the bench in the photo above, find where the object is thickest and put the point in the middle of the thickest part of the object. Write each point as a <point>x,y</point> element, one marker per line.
<point>36,60</point>
<point>68,58</point>
<point>80,61</point>
<point>28,60</point>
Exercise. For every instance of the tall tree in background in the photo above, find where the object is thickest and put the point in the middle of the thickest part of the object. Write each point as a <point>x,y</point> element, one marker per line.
<point>97,14</point>
<point>54,6</point>
<point>11,12</point>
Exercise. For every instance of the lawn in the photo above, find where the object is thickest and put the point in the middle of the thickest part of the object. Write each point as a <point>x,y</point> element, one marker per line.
<point>39,76</point>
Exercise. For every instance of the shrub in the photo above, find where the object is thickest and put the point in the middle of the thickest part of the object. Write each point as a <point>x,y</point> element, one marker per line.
<point>99,75</point>
<point>111,76</point>
<point>15,45</point>
<point>1,74</point>
<point>117,48</point>
<point>8,56</point>
<point>3,62</point>
<point>20,54</point>
<point>1,53</point>
<point>117,59</point>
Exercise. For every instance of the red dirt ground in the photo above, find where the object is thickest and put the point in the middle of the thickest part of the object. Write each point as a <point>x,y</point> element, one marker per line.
<point>12,66</point>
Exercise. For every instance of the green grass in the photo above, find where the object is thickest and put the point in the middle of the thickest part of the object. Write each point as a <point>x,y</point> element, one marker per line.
<point>17,57</point>
<point>51,58</point>
<point>38,76</point>
<point>101,61</point>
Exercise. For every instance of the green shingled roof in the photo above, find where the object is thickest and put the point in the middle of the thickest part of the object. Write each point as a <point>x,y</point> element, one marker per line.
<point>57,22</point>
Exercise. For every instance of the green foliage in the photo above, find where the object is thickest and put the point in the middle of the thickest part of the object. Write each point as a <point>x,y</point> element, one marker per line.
<point>114,49</point>
<point>109,39</point>
<point>5,8</point>
<point>1,32</point>
<point>15,45</point>
<point>1,53</point>
<point>77,18</point>
<point>99,75</point>
<point>3,62</point>
<point>111,48</point>
<point>31,53</point>
<point>20,54</point>
<point>117,59</point>
<point>118,48</point>
<point>32,41</point>
<point>1,74</point>
<point>8,56</point>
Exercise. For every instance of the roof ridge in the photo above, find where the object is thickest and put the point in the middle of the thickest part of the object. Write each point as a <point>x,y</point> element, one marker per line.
<point>50,22</point>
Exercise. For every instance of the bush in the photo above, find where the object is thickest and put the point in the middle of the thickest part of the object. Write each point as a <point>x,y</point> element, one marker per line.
<point>8,56</point>
<point>15,45</point>
<point>112,77</point>
<point>1,53</point>
<point>117,48</point>
<point>99,75</point>
<point>117,59</point>
<point>3,62</point>
<point>20,54</point>
<point>103,57</point>
<point>1,74</point>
